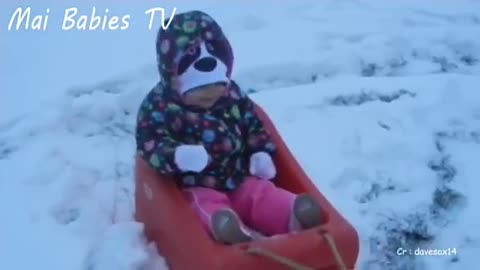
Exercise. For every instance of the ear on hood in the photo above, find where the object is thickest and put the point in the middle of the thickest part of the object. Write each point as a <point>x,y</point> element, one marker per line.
<point>193,36</point>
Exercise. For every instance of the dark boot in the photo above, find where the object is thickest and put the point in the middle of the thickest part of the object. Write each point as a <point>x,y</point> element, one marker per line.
<point>228,229</point>
<point>307,211</point>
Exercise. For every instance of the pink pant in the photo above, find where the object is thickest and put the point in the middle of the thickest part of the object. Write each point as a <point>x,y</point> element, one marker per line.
<point>259,203</point>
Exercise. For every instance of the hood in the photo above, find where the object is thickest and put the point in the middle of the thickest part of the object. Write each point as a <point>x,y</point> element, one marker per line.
<point>193,51</point>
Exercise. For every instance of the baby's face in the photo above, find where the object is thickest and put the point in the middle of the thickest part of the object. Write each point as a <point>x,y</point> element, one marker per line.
<point>204,97</point>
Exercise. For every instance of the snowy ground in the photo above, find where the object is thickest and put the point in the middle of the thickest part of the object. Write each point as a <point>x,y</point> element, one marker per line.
<point>390,87</point>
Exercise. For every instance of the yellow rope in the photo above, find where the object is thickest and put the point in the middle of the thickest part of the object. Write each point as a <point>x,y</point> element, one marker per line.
<point>333,247</point>
<point>295,265</point>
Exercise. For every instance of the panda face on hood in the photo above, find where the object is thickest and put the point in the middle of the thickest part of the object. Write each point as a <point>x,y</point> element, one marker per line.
<point>192,52</point>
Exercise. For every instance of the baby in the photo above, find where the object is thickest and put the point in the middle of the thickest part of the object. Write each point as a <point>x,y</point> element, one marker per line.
<point>198,127</point>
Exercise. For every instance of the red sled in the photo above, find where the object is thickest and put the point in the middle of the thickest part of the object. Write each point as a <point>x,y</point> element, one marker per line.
<point>172,225</point>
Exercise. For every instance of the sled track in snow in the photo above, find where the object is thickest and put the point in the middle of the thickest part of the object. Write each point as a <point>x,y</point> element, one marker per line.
<point>370,96</point>
<point>418,229</point>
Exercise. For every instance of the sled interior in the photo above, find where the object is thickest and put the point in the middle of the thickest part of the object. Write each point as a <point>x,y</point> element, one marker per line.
<point>180,238</point>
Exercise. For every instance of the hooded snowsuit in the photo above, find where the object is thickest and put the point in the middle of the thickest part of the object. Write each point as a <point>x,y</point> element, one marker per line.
<point>191,53</point>
<point>230,131</point>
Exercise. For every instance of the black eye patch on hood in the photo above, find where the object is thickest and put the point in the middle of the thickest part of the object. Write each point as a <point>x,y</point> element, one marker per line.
<point>190,55</point>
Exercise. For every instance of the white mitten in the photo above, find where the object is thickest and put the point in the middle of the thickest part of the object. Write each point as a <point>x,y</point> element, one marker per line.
<point>261,165</point>
<point>191,158</point>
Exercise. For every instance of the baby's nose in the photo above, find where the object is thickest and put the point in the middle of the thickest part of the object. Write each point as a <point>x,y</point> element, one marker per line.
<point>206,64</point>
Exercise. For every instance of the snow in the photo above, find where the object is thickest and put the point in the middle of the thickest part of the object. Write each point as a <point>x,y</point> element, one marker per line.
<point>376,99</point>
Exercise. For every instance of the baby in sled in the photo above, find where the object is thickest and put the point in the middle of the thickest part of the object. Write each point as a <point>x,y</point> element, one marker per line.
<point>199,127</point>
